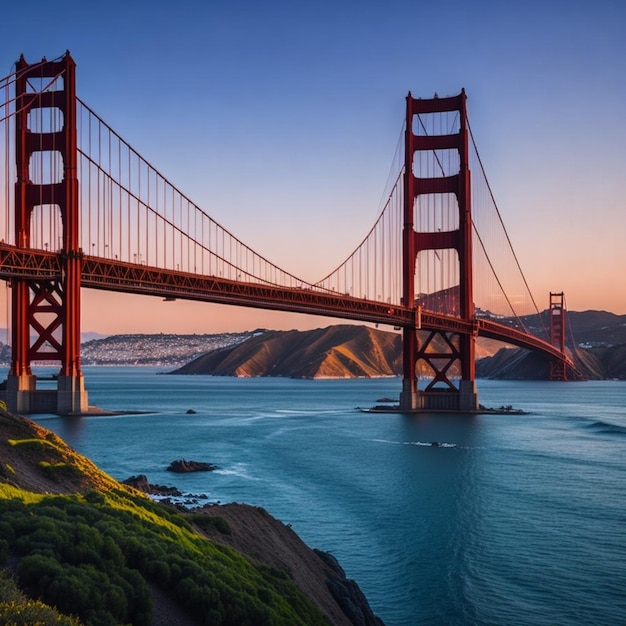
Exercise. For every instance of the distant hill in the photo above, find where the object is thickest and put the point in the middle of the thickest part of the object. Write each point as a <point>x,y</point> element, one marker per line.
<point>347,351</point>
<point>154,349</point>
<point>600,351</point>
<point>342,351</point>
<point>613,360</point>
<point>589,328</point>
<point>597,328</point>
<point>519,364</point>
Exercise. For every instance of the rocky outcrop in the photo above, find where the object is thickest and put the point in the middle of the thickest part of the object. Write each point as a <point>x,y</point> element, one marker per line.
<point>348,594</point>
<point>141,483</point>
<point>182,466</point>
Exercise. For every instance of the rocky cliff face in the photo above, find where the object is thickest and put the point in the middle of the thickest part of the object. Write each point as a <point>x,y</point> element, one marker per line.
<point>268,542</point>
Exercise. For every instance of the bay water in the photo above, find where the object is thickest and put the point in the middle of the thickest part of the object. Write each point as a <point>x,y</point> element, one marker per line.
<point>511,519</point>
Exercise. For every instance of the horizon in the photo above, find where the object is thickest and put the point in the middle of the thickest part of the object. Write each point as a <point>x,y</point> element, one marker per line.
<point>283,121</point>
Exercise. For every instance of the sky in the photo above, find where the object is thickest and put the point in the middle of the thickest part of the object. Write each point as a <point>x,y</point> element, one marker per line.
<point>281,118</point>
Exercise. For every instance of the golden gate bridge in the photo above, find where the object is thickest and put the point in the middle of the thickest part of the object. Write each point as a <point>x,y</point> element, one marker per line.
<point>83,209</point>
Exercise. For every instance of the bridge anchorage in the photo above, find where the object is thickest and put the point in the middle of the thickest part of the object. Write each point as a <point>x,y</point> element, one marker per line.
<point>84,210</point>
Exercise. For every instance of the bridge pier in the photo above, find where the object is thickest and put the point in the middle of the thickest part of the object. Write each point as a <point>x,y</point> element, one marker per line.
<point>411,399</point>
<point>464,400</point>
<point>23,397</point>
<point>71,397</point>
<point>468,396</point>
<point>20,393</point>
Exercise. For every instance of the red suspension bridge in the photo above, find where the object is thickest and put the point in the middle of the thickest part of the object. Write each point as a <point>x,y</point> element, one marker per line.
<point>83,209</point>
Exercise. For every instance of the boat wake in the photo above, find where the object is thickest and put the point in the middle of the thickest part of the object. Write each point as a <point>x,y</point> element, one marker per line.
<point>426,444</point>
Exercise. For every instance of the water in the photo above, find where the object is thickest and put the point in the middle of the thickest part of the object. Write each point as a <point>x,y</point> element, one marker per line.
<point>515,520</point>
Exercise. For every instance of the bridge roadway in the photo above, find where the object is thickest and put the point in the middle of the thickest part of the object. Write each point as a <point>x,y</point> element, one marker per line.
<point>115,275</point>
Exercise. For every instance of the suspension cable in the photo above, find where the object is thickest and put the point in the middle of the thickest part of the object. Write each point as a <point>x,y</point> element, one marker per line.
<point>506,234</point>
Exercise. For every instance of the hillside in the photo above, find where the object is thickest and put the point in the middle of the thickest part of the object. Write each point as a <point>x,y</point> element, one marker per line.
<point>600,337</point>
<point>341,351</point>
<point>94,548</point>
<point>349,351</point>
<point>518,364</point>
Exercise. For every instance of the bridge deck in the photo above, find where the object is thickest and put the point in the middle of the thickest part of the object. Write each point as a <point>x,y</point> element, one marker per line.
<point>112,275</point>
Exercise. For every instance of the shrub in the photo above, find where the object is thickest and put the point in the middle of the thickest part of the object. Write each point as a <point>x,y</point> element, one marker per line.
<point>92,557</point>
<point>30,612</point>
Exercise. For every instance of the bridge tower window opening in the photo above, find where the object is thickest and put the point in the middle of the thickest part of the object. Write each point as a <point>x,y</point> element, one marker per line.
<point>45,167</point>
<point>436,163</point>
<point>43,84</point>
<point>440,122</point>
<point>45,120</point>
<point>46,227</point>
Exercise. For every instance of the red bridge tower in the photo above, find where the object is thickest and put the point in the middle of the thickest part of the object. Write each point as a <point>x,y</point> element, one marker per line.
<point>441,349</point>
<point>46,311</point>
<point>558,369</point>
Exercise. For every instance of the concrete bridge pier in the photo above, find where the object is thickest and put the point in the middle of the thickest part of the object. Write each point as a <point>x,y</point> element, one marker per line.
<point>71,395</point>
<point>23,398</point>
<point>465,400</point>
<point>468,396</point>
<point>20,392</point>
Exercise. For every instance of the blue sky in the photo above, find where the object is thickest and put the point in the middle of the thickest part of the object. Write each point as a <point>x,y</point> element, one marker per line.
<point>281,119</point>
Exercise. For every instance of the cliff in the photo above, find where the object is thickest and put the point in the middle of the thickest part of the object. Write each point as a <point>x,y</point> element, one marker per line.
<point>91,547</point>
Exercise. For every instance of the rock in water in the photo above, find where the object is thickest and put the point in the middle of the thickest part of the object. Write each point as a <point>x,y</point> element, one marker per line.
<point>182,466</point>
<point>141,483</point>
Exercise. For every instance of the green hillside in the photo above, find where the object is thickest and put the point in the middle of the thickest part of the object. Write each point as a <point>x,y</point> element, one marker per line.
<point>74,539</point>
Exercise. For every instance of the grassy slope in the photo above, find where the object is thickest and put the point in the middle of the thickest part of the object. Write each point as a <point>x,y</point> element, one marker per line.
<point>79,540</point>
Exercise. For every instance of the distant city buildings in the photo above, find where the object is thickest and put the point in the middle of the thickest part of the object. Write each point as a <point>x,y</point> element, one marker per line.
<point>155,350</point>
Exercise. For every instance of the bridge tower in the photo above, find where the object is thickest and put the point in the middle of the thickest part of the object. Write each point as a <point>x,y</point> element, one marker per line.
<point>558,369</point>
<point>46,311</point>
<point>441,349</point>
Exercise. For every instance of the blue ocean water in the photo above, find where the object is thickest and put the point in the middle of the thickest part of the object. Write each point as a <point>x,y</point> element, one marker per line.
<point>516,519</point>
